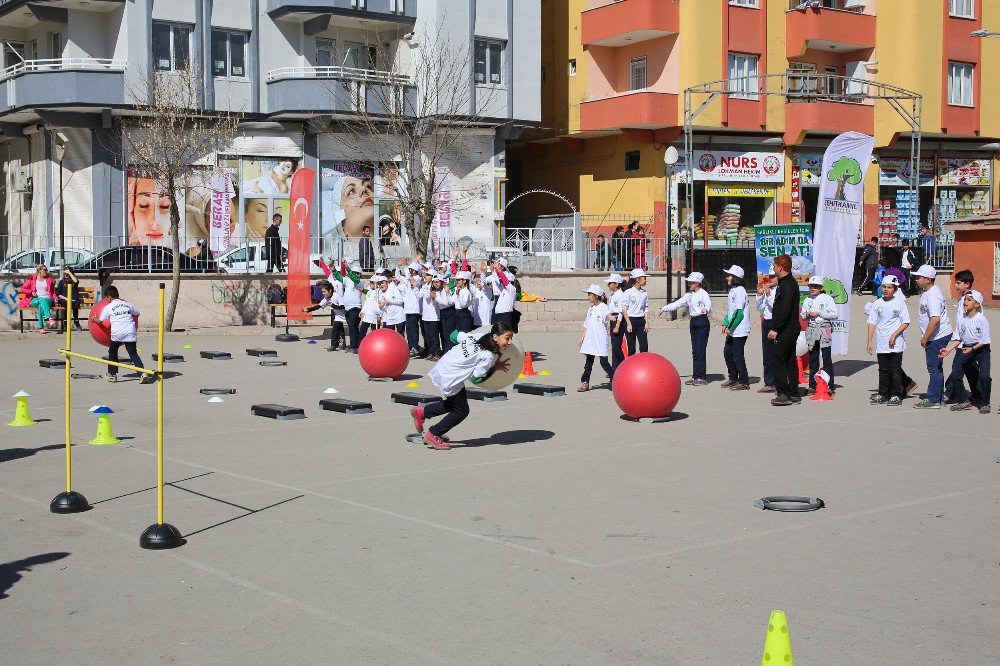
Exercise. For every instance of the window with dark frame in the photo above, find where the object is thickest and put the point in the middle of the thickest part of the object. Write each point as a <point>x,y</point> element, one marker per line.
<point>488,61</point>
<point>229,54</point>
<point>632,160</point>
<point>171,46</point>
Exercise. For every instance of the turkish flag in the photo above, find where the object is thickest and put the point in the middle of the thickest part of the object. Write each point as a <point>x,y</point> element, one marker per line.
<point>299,289</point>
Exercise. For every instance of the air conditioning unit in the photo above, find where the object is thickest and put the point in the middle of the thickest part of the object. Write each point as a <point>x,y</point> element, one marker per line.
<point>21,179</point>
<point>854,5</point>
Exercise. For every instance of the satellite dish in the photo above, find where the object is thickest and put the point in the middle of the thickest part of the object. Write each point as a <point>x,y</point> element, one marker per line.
<point>670,156</point>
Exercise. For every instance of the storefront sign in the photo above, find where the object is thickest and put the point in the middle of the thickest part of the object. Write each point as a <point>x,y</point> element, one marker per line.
<point>738,191</point>
<point>838,220</point>
<point>810,165</point>
<point>724,165</point>
<point>795,240</point>
<point>894,170</point>
<point>963,171</point>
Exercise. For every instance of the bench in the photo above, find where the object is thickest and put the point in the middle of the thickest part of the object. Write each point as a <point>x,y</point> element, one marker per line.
<point>59,311</point>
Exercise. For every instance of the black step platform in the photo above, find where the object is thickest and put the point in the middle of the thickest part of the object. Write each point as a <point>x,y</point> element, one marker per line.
<point>217,391</point>
<point>273,363</point>
<point>52,362</point>
<point>279,412</point>
<point>544,390</point>
<point>261,352</point>
<point>486,395</point>
<point>169,358</point>
<point>345,406</point>
<point>410,398</point>
<point>216,355</point>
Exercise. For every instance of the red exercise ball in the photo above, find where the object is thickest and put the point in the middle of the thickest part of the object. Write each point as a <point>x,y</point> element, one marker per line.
<point>384,354</point>
<point>101,330</point>
<point>646,385</point>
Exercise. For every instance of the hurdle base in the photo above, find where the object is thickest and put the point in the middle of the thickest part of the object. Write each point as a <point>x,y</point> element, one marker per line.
<point>286,337</point>
<point>69,502</point>
<point>161,536</point>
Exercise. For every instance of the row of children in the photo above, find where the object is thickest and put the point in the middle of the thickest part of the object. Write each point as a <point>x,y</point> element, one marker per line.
<point>419,300</point>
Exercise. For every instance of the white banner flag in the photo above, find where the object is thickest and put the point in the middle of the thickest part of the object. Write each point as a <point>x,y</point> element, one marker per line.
<point>838,218</point>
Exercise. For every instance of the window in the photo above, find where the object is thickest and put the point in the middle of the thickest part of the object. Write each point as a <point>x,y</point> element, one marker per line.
<point>632,160</point>
<point>960,84</point>
<point>745,3</point>
<point>229,54</point>
<point>171,46</point>
<point>572,67</point>
<point>13,54</point>
<point>487,56</point>
<point>55,45</point>
<point>325,48</point>
<point>962,8</point>
<point>742,75</point>
<point>832,82</point>
<point>637,73</point>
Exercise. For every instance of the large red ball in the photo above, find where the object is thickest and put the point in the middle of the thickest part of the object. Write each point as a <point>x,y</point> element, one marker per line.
<point>646,385</point>
<point>101,330</point>
<point>384,354</point>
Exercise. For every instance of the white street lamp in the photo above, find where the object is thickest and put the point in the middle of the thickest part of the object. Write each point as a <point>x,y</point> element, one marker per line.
<point>670,158</point>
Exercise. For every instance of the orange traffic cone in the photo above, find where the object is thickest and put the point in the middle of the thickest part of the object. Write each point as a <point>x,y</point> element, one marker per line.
<point>822,387</point>
<point>803,364</point>
<point>529,368</point>
<point>624,347</point>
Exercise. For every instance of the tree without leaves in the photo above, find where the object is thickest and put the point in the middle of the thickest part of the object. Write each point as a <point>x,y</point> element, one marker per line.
<point>175,142</point>
<point>419,118</point>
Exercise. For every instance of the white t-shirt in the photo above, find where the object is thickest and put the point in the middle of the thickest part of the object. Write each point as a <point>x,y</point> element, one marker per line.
<point>973,330</point>
<point>823,304</point>
<point>596,339</point>
<point>697,302</point>
<point>765,303</point>
<point>429,308</point>
<point>636,302</point>
<point>352,295</point>
<point>482,313</point>
<point>932,304</point>
<point>466,359</point>
<point>411,295</point>
<point>392,310</point>
<point>887,316</point>
<point>122,324</point>
<point>462,298</point>
<point>42,289</point>
<point>616,301</point>
<point>736,300</point>
<point>370,311</point>
<point>505,295</point>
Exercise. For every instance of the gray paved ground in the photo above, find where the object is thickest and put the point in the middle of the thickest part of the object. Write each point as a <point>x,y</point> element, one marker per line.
<point>559,535</point>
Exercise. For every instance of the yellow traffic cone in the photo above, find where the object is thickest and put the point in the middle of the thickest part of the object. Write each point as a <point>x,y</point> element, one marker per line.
<point>104,435</point>
<point>777,645</point>
<point>22,415</point>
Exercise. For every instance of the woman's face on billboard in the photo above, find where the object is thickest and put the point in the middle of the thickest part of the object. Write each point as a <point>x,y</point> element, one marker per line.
<point>358,203</point>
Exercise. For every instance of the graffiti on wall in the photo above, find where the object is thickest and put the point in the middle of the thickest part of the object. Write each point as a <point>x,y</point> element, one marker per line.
<point>8,298</point>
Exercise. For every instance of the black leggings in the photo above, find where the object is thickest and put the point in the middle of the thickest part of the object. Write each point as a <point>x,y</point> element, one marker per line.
<point>365,327</point>
<point>353,315</point>
<point>337,334</point>
<point>588,366</point>
<point>413,331</point>
<point>432,337</point>
<point>130,347</point>
<point>455,408</point>
<point>638,334</point>
<point>447,327</point>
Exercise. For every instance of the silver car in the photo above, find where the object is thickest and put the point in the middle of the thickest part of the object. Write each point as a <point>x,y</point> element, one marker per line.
<point>26,261</point>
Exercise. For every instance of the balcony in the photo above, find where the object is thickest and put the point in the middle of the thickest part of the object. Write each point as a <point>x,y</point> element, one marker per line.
<point>634,110</point>
<point>628,22</point>
<point>826,104</point>
<point>73,82</point>
<point>305,91</point>
<point>401,11</point>
<point>828,30</point>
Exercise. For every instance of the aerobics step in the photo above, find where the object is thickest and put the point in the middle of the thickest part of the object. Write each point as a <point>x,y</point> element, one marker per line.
<point>410,398</point>
<point>345,406</point>
<point>485,395</point>
<point>169,358</point>
<point>217,391</point>
<point>279,412</point>
<point>261,352</point>
<point>52,362</point>
<point>215,355</point>
<point>544,390</point>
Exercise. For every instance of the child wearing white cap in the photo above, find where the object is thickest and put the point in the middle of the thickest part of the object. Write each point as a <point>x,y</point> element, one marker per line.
<point>634,309</point>
<point>765,305</point>
<point>391,302</point>
<point>819,311</point>
<point>410,286</point>
<point>616,326</point>
<point>935,333</point>
<point>595,338</point>
<point>886,322</point>
<point>463,302</point>
<point>430,315</point>
<point>736,328</point>
<point>973,361</point>
<point>371,312</point>
<point>699,304</point>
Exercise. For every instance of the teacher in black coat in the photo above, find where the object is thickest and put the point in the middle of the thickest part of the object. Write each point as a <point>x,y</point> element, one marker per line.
<point>785,331</point>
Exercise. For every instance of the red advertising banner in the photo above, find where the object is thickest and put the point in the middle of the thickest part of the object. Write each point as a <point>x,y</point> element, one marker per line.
<point>300,214</point>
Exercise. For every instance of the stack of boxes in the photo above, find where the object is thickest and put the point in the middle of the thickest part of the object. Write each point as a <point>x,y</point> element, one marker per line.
<point>907,213</point>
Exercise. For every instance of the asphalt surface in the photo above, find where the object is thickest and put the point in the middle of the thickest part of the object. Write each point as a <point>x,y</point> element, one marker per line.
<point>558,534</point>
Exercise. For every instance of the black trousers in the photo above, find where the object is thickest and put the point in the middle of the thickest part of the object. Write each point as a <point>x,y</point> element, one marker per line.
<point>363,331</point>
<point>455,409</point>
<point>337,334</point>
<point>463,320</point>
<point>504,317</point>
<point>413,331</point>
<point>975,367</point>
<point>617,355</point>
<point>274,258</point>
<point>785,366</point>
<point>736,363</point>
<point>768,349</point>
<point>399,328</point>
<point>700,330</point>
<point>133,355</point>
<point>638,336</point>
<point>869,282</point>
<point>447,327</point>
<point>353,332</point>
<point>588,367</point>
<point>814,356</point>
<point>890,375</point>
<point>432,337</point>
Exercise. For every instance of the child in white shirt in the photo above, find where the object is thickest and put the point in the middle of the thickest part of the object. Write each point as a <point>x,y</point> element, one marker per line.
<point>886,322</point>
<point>973,361</point>
<point>595,339</point>
<point>819,310</point>
<point>122,316</point>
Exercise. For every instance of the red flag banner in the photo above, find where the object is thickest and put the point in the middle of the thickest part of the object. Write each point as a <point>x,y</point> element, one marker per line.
<point>301,202</point>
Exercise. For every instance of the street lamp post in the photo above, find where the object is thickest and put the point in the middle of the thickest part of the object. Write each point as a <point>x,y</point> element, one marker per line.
<point>669,160</point>
<point>60,142</point>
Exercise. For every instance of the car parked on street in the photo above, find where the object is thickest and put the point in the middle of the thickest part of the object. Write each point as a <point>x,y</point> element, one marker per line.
<point>144,259</point>
<point>28,260</point>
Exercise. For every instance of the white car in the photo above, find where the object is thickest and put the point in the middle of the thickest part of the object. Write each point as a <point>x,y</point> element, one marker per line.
<point>28,260</point>
<point>251,258</point>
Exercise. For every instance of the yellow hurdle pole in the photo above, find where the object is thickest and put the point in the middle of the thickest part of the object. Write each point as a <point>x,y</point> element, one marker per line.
<point>126,366</point>
<point>159,416</point>
<point>69,378</point>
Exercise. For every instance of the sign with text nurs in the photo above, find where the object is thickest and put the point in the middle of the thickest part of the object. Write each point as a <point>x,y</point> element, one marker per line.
<point>734,166</point>
<point>772,240</point>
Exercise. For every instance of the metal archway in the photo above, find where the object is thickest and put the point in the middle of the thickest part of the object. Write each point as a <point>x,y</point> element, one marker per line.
<point>562,244</point>
<point>799,87</point>
<point>566,201</point>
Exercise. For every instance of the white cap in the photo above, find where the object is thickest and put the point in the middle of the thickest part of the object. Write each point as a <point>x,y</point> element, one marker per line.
<point>414,266</point>
<point>637,273</point>
<point>695,277</point>
<point>976,295</point>
<point>890,279</point>
<point>926,271</point>
<point>356,267</point>
<point>735,270</point>
<point>770,270</point>
<point>379,278</point>
<point>614,277</point>
<point>463,275</point>
<point>816,281</point>
<point>502,261</point>
<point>428,265</point>
<point>436,276</point>
<point>347,260</point>
<point>595,290</point>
